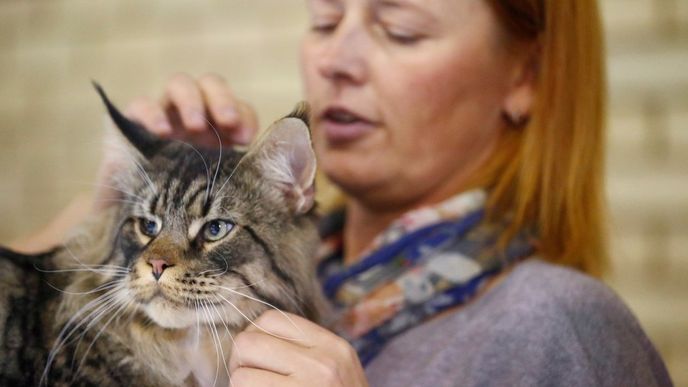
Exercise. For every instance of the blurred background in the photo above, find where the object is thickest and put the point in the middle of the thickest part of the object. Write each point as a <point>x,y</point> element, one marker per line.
<point>51,120</point>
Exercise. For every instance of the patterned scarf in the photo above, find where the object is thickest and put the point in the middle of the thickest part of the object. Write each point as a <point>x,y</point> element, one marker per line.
<point>427,261</point>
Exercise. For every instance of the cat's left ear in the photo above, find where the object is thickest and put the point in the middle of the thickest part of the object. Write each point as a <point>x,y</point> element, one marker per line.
<point>285,155</point>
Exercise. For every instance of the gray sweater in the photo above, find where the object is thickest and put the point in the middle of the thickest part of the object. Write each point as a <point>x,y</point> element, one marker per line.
<point>544,325</point>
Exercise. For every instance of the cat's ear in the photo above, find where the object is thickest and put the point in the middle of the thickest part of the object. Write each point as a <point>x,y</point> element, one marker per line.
<point>143,140</point>
<point>285,156</point>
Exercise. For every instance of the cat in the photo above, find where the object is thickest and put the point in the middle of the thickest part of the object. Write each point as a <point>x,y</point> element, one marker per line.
<point>197,244</point>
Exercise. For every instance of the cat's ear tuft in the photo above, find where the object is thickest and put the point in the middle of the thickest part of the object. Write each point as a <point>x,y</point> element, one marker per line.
<point>301,111</point>
<point>285,156</point>
<point>143,140</point>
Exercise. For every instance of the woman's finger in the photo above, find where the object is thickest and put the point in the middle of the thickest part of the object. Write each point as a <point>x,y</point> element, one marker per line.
<point>250,349</point>
<point>184,95</point>
<point>253,377</point>
<point>220,101</point>
<point>150,114</point>
<point>289,327</point>
<point>249,124</point>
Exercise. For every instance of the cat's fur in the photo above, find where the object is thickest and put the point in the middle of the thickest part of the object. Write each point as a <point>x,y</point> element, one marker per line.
<point>93,313</point>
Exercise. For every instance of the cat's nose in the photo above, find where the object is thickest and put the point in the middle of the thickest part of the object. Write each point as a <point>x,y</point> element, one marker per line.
<point>159,265</point>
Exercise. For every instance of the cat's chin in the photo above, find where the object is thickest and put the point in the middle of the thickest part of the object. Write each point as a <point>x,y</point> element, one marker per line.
<point>168,315</point>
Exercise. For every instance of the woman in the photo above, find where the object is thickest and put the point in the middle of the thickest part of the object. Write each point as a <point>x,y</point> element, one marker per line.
<point>467,137</point>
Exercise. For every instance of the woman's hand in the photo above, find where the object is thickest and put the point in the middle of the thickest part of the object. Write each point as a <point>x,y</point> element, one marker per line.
<point>190,109</point>
<point>288,350</point>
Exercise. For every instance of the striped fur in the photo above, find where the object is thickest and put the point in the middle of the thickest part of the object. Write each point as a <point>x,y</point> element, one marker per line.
<point>91,312</point>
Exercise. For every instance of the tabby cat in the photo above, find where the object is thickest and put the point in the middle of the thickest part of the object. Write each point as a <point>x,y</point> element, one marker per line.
<point>198,243</point>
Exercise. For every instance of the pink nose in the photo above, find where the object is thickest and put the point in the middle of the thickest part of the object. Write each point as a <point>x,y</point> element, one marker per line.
<point>159,265</point>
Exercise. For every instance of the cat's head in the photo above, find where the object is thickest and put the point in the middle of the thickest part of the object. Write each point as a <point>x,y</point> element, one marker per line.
<point>214,236</point>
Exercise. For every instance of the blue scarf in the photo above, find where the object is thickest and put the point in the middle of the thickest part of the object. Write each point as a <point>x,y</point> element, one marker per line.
<point>416,276</point>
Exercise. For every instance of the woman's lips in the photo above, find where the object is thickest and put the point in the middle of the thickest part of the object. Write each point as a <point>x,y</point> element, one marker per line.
<point>340,133</point>
<point>342,126</point>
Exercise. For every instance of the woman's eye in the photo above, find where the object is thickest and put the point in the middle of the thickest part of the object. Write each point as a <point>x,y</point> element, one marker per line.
<point>216,230</point>
<point>323,28</point>
<point>149,227</point>
<point>402,37</point>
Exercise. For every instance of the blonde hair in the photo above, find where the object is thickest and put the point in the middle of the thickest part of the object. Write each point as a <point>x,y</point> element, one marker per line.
<point>549,173</point>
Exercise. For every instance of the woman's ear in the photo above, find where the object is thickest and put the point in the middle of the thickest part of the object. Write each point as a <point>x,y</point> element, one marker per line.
<point>518,103</point>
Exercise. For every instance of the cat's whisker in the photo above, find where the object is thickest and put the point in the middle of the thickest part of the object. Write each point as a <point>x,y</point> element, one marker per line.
<point>270,305</point>
<point>118,189</point>
<point>139,168</point>
<point>111,187</point>
<point>108,306</point>
<point>88,269</point>
<point>105,286</point>
<point>252,284</point>
<point>226,268</point>
<point>232,173</point>
<point>99,267</point>
<point>208,326</point>
<point>205,164</point>
<point>208,271</point>
<point>258,326</point>
<point>228,332</point>
<point>198,324</point>
<point>70,327</point>
<point>124,201</point>
<point>116,313</point>
<point>219,161</point>
<point>218,343</point>
<point>142,172</point>
<point>244,157</point>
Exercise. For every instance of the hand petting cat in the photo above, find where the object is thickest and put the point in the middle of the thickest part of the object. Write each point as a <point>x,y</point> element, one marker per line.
<point>190,106</point>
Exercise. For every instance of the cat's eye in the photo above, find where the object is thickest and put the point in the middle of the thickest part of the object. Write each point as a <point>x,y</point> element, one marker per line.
<point>149,227</point>
<point>216,230</point>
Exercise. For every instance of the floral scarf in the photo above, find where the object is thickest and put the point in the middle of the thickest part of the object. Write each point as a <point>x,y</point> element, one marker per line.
<point>427,261</point>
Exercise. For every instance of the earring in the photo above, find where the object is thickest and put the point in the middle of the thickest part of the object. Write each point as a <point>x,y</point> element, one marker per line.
<point>516,118</point>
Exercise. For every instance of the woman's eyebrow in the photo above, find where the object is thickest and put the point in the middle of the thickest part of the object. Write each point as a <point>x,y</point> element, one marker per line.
<point>401,5</point>
<point>311,3</point>
<point>331,2</point>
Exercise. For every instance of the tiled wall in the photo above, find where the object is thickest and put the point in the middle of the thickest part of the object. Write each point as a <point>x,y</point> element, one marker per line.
<point>50,118</point>
<point>648,167</point>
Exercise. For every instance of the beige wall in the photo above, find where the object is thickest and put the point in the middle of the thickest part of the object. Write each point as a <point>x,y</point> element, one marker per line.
<point>50,118</point>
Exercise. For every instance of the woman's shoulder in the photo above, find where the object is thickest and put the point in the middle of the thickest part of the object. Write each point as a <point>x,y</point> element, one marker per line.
<point>536,286</point>
<point>543,324</point>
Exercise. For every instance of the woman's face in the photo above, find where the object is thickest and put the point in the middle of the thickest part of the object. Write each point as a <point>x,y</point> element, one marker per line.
<point>406,95</point>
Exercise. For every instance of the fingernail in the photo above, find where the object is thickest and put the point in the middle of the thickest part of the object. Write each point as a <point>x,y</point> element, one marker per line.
<point>229,114</point>
<point>196,119</point>
<point>163,126</point>
<point>243,136</point>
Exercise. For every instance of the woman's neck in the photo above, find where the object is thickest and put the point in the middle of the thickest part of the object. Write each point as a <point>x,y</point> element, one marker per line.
<point>362,226</point>
<point>365,222</point>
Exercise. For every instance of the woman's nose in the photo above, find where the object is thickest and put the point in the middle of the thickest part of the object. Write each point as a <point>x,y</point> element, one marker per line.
<point>343,56</point>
